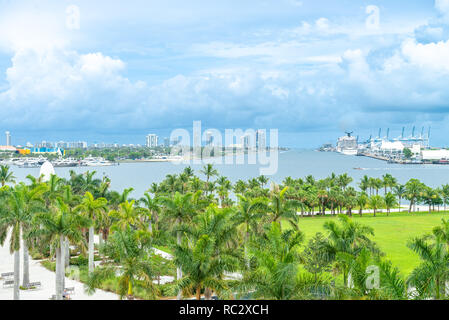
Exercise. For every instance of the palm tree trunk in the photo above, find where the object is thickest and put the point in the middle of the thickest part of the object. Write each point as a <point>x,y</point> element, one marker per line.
<point>59,280</point>
<point>26,265</point>
<point>67,254</point>
<point>16,274</point>
<point>207,294</point>
<point>198,293</point>
<point>91,249</point>
<point>178,269</point>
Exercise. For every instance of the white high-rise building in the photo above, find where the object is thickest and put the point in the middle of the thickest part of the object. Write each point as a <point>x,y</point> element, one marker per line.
<point>8,138</point>
<point>152,141</point>
<point>261,142</point>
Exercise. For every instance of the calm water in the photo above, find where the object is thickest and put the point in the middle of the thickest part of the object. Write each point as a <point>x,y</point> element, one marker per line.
<point>293,163</point>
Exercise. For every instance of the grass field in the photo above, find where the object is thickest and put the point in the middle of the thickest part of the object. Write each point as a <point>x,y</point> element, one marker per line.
<point>391,233</point>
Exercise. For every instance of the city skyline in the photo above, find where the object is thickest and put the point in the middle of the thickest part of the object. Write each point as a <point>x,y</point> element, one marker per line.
<point>312,70</point>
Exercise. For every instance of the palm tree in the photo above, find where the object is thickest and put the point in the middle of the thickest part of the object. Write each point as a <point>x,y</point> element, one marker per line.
<point>276,259</point>
<point>376,202</point>
<point>210,253</point>
<point>430,277</point>
<point>209,171</point>
<point>413,189</point>
<point>390,202</point>
<point>91,208</point>
<point>343,181</point>
<point>152,205</point>
<point>128,215</point>
<point>6,176</point>
<point>248,212</point>
<point>15,216</point>
<point>131,251</point>
<point>281,207</point>
<point>347,238</point>
<point>364,183</point>
<point>178,210</point>
<point>362,201</point>
<point>400,192</point>
<point>53,228</point>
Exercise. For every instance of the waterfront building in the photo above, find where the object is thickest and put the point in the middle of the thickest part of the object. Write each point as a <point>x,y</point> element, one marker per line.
<point>8,139</point>
<point>152,141</point>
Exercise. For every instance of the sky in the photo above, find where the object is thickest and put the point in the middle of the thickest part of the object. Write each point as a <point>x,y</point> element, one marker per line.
<point>115,71</point>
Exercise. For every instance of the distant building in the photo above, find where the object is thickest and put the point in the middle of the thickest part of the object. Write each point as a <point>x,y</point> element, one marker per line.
<point>166,142</point>
<point>152,141</point>
<point>209,138</point>
<point>261,140</point>
<point>8,138</point>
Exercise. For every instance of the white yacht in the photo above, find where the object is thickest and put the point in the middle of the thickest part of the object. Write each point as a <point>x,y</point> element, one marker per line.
<point>96,162</point>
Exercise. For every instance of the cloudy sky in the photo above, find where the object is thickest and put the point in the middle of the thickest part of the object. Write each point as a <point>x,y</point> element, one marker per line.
<point>116,70</point>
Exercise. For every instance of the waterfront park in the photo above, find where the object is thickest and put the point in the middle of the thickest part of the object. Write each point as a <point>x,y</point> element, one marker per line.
<point>196,235</point>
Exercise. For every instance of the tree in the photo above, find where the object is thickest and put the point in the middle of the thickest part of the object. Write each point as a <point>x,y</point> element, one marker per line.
<point>362,201</point>
<point>281,207</point>
<point>53,228</point>
<point>248,213</point>
<point>6,176</point>
<point>413,189</point>
<point>16,214</point>
<point>209,171</point>
<point>376,202</point>
<point>91,208</point>
<point>210,253</point>
<point>347,237</point>
<point>408,154</point>
<point>315,259</point>
<point>430,277</point>
<point>399,191</point>
<point>178,210</point>
<point>390,202</point>
<point>152,205</point>
<point>276,265</point>
<point>131,250</point>
<point>128,215</point>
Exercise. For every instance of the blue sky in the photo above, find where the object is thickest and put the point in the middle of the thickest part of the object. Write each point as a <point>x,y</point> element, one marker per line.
<point>311,69</point>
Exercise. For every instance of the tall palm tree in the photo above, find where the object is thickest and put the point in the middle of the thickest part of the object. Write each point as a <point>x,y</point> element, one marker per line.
<point>390,202</point>
<point>16,214</point>
<point>6,176</point>
<point>280,207</point>
<point>376,202</point>
<point>413,189</point>
<point>152,205</point>
<point>362,201</point>
<point>209,171</point>
<point>91,208</point>
<point>248,213</point>
<point>400,192</point>
<point>178,210</point>
<point>54,228</point>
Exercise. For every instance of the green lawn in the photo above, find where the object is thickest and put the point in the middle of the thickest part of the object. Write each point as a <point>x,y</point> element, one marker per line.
<point>390,233</point>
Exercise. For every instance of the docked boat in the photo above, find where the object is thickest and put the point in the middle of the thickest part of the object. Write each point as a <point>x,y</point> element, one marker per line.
<point>69,162</point>
<point>96,162</point>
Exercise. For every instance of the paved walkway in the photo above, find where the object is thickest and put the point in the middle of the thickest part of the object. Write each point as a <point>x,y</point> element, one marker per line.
<point>47,278</point>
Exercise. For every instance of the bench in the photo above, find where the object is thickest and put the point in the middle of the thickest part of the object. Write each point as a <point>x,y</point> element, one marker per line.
<point>8,283</point>
<point>7,275</point>
<point>33,285</point>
